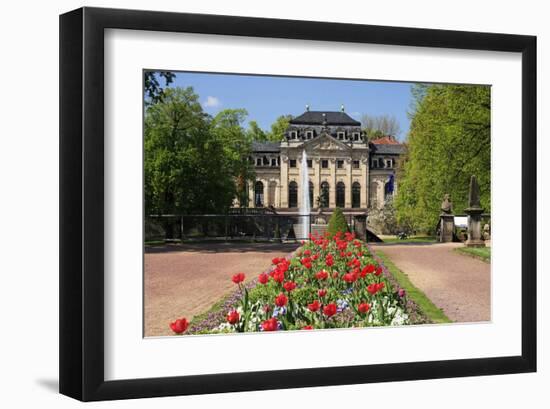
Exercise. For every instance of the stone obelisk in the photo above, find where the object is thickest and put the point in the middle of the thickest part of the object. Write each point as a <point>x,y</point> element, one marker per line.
<point>474,212</point>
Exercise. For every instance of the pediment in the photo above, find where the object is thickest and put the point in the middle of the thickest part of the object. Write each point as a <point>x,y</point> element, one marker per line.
<point>325,142</point>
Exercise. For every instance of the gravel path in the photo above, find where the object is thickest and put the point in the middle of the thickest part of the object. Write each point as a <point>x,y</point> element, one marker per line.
<point>456,283</point>
<point>185,280</point>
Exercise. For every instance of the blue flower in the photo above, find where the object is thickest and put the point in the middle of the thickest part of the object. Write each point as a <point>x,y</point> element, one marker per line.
<point>279,311</point>
<point>342,305</point>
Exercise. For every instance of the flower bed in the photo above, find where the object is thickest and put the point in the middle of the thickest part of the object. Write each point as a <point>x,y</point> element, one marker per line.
<point>330,282</point>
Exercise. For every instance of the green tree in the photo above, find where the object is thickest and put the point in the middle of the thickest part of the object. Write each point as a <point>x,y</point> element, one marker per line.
<point>337,222</point>
<point>256,133</point>
<point>152,86</point>
<point>278,128</point>
<point>192,162</point>
<point>449,140</point>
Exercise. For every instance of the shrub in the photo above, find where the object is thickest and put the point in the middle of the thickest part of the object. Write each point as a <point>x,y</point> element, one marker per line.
<point>337,222</point>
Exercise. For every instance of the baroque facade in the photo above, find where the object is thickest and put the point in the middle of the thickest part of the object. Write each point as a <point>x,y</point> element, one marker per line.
<point>344,169</point>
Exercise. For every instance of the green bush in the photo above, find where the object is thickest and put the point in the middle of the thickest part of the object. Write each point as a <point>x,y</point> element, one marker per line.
<point>337,222</point>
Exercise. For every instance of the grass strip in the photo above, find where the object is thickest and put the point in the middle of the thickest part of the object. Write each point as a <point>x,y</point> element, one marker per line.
<point>481,253</point>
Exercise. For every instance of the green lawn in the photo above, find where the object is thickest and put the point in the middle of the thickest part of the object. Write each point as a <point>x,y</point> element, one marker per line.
<point>411,239</point>
<point>482,253</point>
<point>432,312</point>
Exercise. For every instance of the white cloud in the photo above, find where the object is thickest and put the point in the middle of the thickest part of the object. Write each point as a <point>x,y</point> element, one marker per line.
<point>212,102</point>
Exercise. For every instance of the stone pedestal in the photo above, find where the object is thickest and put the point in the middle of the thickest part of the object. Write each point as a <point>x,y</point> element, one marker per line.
<point>446,228</point>
<point>474,228</point>
<point>360,226</point>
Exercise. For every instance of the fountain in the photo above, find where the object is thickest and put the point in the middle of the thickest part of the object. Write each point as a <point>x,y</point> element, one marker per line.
<point>305,206</point>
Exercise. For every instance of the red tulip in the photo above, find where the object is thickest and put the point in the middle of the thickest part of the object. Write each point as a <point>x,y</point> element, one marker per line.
<point>369,268</point>
<point>374,288</point>
<point>363,308</point>
<point>307,253</point>
<point>233,317</point>
<point>329,310</point>
<point>308,327</point>
<point>329,260</point>
<point>350,277</point>
<point>238,278</point>
<point>314,306</point>
<point>270,324</point>
<point>279,276</point>
<point>289,286</point>
<point>322,293</point>
<point>275,260</point>
<point>378,271</point>
<point>179,326</point>
<point>321,275</point>
<point>263,278</point>
<point>281,300</point>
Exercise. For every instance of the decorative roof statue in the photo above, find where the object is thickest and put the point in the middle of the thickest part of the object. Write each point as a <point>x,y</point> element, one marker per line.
<point>447,205</point>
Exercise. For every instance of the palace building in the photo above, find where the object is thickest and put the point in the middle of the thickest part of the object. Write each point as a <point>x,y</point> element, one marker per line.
<point>344,169</point>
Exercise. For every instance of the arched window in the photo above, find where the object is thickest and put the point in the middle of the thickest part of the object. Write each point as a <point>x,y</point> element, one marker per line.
<point>259,194</point>
<point>356,195</point>
<point>340,194</point>
<point>293,194</point>
<point>311,202</point>
<point>388,189</point>
<point>324,196</point>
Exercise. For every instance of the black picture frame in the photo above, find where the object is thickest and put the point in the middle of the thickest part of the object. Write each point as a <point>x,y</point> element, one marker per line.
<point>82,193</point>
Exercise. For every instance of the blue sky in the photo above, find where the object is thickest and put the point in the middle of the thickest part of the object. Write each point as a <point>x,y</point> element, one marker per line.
<point>266,97</point>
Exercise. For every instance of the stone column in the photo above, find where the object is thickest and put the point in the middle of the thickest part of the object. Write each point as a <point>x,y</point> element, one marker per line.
<point>283,186</point>
<point>316,181</point>
<point>446,227</point>
<point>474,212</point>
<point>348,183</point>
<point>364,182</point>
<point>332,188</point>
<point>251,194</point>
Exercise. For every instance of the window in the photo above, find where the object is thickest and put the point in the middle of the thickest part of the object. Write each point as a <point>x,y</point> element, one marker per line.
<point>309,163</point>
<point>293,135</point>
<point>356,136</point>
<point>389,163</point>
<point>273,161</point>
<point>258,161</point>
<point>324,196</point>
<point>292,163</point>
<point>374,163</point>
<point>266,161</point>
<point>339,164</point>
<point>292,194</point>
<point>356,195</point>
<point>340,194</point>
<point>324,163</point>
<point>311,203</point>
<point>355,164</point>
<point>259,194</point>
<point>341,135</point>
<point>309,134</point>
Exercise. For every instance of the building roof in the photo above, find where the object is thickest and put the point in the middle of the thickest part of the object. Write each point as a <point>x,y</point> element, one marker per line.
<point>265,146</point>
<point>389,149</point>
<point>317,118</point>
<point>385,140</point>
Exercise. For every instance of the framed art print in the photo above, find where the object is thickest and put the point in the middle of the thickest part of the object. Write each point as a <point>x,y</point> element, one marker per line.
<point>253,204</point>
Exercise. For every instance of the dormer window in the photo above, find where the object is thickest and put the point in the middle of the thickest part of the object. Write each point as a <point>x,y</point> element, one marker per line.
<point>309,134</point>
<point>273,161</point>
<point>356,136</point>
<point>374,163</point>
<point>340,135</point>
<point>293,135</point>
<point>258,161</point>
